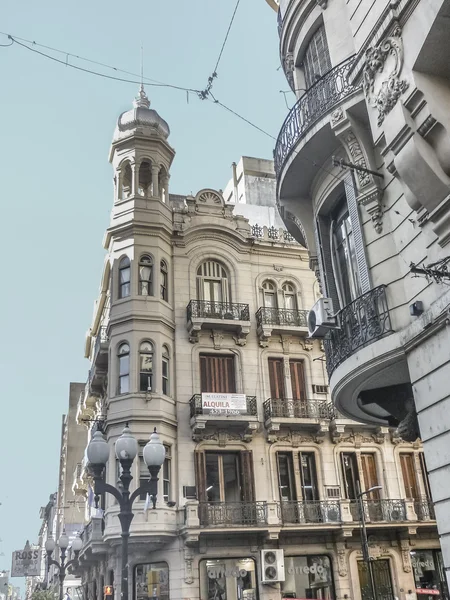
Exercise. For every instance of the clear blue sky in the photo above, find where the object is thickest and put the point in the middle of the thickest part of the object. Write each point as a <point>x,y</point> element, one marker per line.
<point>56,187</point>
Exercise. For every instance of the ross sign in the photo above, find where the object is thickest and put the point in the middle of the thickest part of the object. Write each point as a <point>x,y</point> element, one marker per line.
<point>224,405</point>
<point>26,562</point>
<point>427,592</point>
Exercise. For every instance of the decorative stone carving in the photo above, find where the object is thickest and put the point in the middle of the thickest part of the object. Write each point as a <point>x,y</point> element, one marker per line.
<point>294,438</point>
<point>217,338</point>
<point>278,267</point>
<point>381,89</point>
<point>221,436</point>
<point>342,561</point>
<point>358,158</point>
<point>289,68</point>
<point>240,340</point>
<point>286,343</point>
<point>209,197</point>
<point>337,115</point>
<point>406,557</point>
<point>188,560</point>
<point>308,344</point>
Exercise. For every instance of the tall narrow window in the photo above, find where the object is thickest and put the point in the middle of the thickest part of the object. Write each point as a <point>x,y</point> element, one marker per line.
<point>165,371</point>
<point>269,295</point>
<point>125,178</point>
<point>350,474</point>
<point>344,256</point>
<point>308,476</point>
<point>286,479</point>
<point>212,282</point>
<point>352,478</point>
<point>369,474</point>
<point>289,297</point>
<point>124,368</point>
<point>164,275</point>
<point>425,475</point>
<point>124,277</point>
<point>144,475</point>
<point>167,472</point>
<point>146,275</point>
<point>317,58</point>
<point>409,476</point>
<point>297,380</point>
<point>217,374</point>
<point>276,378</point>
<point>146,367</point>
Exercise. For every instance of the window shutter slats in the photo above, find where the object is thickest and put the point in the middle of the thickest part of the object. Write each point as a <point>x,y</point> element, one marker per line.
<point>353,211</point>
<point>276,378</point>
<point>200,475</point>
<point>217,374</point>
<point>297,380</point>
<point>248,483</point>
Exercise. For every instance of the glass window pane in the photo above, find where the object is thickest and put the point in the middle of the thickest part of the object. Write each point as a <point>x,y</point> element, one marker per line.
<point>308,577</point>
<point>124,384</point>
<point>152,581</point>
<point>124,364</point>
<point>231,485</point>
<point>228,579</point>
<point>212,477</point>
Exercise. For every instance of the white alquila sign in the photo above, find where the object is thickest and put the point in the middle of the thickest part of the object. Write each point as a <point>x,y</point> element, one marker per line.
<point>26,562</point>
<point>224,404</point>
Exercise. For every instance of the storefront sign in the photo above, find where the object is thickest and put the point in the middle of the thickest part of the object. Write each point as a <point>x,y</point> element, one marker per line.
<point>218,572</point>
<point>224,404</point>
<point>306,570</point>
<point>26,563</point>
<point>427,592</point>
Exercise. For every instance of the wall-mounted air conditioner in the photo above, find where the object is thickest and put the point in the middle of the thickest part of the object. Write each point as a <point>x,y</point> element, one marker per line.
<point>272,566</point>
<point>321,318</point>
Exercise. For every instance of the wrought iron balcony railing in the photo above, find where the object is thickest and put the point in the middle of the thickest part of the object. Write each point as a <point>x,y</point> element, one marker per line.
<point>297,409</point>
<point>205,309</point>
<point>316,511</point>
<point>362,322</point>
<point>102,338</point>
<point>232,514</point>
<point>197,409</point>
<point>282,316</point>
<point>329,91</point>
<point>424,509</point>
<point>380,510</point>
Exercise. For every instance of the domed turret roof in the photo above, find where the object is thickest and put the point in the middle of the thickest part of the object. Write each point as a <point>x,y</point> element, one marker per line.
<point>141,118</point>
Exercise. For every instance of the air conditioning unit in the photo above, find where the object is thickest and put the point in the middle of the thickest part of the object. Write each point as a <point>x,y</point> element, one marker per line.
<point>272,566</point>
<point>321,318</point>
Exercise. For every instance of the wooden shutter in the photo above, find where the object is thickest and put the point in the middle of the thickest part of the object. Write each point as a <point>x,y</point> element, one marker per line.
<point>353,211</point>
<point>409,476</point>
<point>317,57</point>
<point>426,481</point>
<point>247,479</point>
<point>217,374</point>
<point>200,475</point>
<point>297,380</point>
<point>369,472</point>
<point>276,378</point>
<point>323,243</point>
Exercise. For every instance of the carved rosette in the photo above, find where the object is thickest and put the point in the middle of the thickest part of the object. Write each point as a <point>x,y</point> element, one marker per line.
<point>381,76</point>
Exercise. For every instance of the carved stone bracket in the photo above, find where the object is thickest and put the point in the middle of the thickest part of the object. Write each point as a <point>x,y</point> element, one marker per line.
<point>217,338</point>
<point>342,559</point>
<point>188,571</point>
<point>289,68</point>
<point>381,83</point>
<point>406,557</point>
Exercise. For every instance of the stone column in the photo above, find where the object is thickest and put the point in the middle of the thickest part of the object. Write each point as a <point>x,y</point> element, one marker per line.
<point>155,181</point>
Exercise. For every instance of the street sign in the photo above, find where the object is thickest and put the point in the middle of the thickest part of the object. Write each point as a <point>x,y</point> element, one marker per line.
<point>26,562</point>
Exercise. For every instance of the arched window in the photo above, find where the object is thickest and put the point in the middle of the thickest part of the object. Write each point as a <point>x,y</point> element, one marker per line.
<point>269,295</point>
<point>317,57</point>
<point>164,275</point>
<point>163,180</point>
<point>289,296</point>
<point>145,179</point>
<point>212,282</point>
<point>124,368</point>
<point>165,371</point>
<point>124,277</point>
<point>146,275</point>
<point>126,177</point>
<point>146,367</point>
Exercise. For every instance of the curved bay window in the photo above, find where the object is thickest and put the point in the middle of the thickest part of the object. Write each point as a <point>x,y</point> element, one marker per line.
<point>151,580</point>
<point>146,367</point>
<point>269,293</point>
<point>146,275</point>
<point>164,275</point>
<point>124,277</point>
<point>228,579</point>
<point>124,368</point>
<point>308,577</point>
<point>212,282</point>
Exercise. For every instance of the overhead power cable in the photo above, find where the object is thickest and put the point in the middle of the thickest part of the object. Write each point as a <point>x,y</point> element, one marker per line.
<point>204,93</point>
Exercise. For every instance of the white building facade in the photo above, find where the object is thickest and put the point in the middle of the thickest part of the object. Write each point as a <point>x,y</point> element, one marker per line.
<point>204,300</point>
<point>373,87</point>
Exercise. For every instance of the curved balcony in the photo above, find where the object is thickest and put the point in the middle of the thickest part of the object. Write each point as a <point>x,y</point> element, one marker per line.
<point>327,93</point>
<point>362,322</point>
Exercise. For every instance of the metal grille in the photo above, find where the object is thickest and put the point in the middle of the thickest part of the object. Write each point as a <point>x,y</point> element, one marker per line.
<point>196,406</point>
<point>380,510</point>
<point>424,509</point>
<point>225,514</point>
<point>320,511</point>
<point>325,94</point>
<point>282,316</point>
<point>206,309</point>
<point>362,322</point>
<point>297,409</point>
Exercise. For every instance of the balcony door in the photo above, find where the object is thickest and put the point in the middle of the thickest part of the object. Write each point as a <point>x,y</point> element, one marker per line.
<point>276,379</point>
<point>217,374</point>
<point>297,372</point>
<point>308,476</point>
<point>212,283</point>
<point>352,477</point>
<point>409,476</point>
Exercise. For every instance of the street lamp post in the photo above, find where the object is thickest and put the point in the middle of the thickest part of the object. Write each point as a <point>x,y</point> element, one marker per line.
<point>364,540</point>
<point>62,565</point>
<point>126,451</point>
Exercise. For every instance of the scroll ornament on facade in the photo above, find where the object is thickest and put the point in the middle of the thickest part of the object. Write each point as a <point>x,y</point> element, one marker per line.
<point>381,83</point>
<point>288,68</point>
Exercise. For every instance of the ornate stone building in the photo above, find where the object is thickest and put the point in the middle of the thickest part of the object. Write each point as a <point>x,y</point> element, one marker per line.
<point>204,297</point>
<point>363,169</point>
